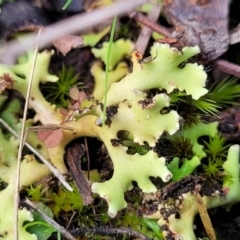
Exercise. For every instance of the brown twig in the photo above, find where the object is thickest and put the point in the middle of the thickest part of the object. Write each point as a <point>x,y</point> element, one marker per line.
<point>227,67</point>
<point>70,220</point>
<point>74,153</point>
<point>109,231</point>
<point>150,24</point>
<point>49,220</point>
<point>145,34</point>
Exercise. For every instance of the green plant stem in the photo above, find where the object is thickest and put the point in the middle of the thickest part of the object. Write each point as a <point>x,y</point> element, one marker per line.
<point>66,5</point>
<point>107,67</point>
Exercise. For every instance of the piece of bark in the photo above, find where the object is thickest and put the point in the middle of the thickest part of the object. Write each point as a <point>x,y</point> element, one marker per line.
<point>235,35</point>
<point>74,153</point>
<point>200,22</point>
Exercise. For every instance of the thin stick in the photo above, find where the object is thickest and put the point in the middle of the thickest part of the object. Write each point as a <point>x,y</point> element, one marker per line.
<point>88,156</point>
<point>21,142</point>
<point>145,34</point>
<point>58,227</point>
<point>152,25</point>
<point>46,127</point>
<point>110,231</point>
<point>54,170</point>
<point>70,220</point>
<point>11,50</point>
<point>227,67</point>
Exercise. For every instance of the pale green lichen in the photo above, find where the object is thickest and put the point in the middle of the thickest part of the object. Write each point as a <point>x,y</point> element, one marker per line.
<point>99,77</point>
<point>45,112</point>
<point>120,49</point>
<point>154,123</point>
<point>93,39</point>
<point>31,171</point>
<point>137,113</point>
<point>139,168</point>
<point>141,117</point>
<point>8,166</point>
<point>163,72</point>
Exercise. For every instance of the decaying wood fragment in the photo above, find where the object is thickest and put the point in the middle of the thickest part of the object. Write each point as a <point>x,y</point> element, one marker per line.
<point>74,153</point>
<point>200,22</point>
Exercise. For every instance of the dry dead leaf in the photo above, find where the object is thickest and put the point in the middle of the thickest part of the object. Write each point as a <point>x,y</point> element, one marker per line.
<point>68,42</point>
<point>51,138</point>
<point>74,93</point>
<point>82,96</point>
<point>77,96</point>
<point>6,82</point>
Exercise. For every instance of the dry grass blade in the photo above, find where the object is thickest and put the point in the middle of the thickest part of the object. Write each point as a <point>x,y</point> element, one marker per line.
<point>205,217</point>
<point>47,127</point>
<point>21,142</point>
<point>58,227</point>
<point>71,25</point>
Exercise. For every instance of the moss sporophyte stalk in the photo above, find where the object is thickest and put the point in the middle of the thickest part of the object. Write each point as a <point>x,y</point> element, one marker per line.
<point>138,104</point>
